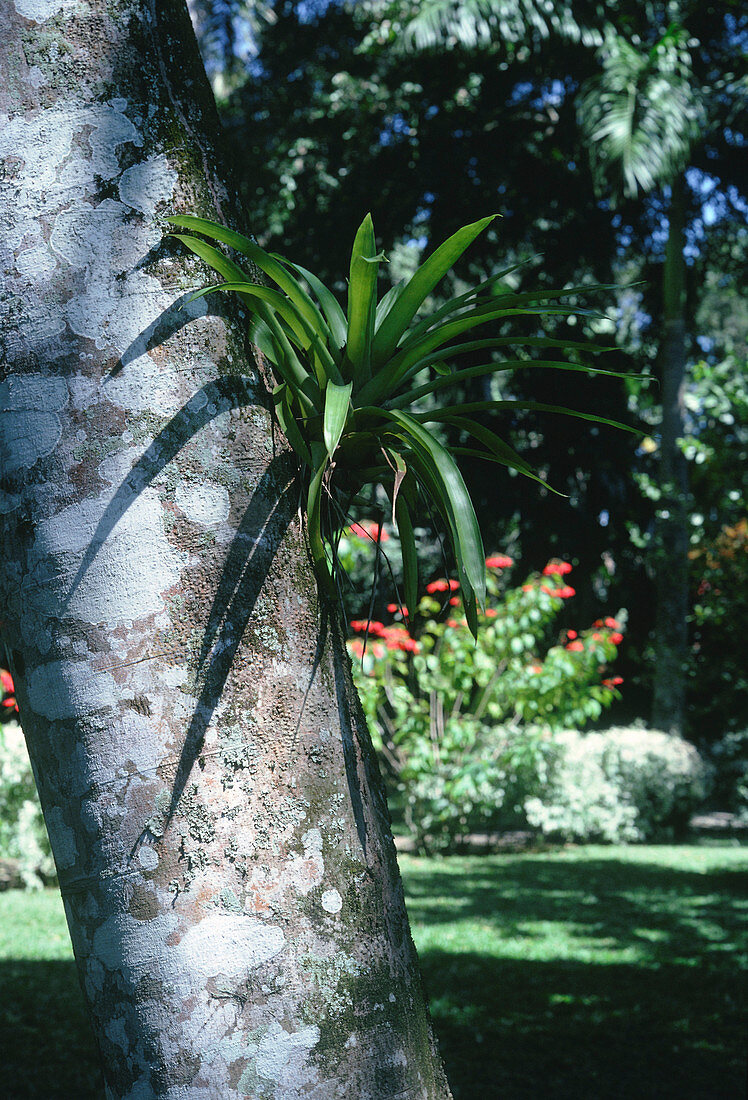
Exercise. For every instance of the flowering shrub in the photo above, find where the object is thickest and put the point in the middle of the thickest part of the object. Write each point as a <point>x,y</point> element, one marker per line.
<point>23,837</point>
<point>623,784</point>
<point>463,726</point>
<point>8,704</point>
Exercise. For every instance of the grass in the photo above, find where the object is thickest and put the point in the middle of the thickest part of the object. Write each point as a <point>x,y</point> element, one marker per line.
<point>46,1044</point>
<point>588,973</point>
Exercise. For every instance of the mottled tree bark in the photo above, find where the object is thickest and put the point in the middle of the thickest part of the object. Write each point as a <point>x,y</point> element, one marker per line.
<point>208,783</point>
<point>671,547</point>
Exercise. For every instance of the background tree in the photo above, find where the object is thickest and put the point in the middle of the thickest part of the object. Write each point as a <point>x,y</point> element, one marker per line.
<point>457,108</point>
<point>215,812</point>
<point>642,114</point>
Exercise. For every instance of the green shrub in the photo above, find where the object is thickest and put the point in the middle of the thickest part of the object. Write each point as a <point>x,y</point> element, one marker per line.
<point>464,725</point>
<point>623,784</point>
<point>23,837</point>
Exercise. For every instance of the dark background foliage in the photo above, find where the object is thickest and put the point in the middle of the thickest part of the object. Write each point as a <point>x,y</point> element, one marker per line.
<point>432,114</point>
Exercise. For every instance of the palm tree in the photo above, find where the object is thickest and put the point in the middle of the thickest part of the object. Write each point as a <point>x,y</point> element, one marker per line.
<point>642,115</point>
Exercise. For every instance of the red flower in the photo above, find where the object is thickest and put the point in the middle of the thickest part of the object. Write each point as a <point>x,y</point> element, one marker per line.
<point>442,586</point>
<point>491,612</point>
<point>557,569</point>
<point>571,635</point>
<point>611,623</point>
<point>614,681</point>
<point>8,704</point>
<point>616,638</point>
<point>499,561</point>
<point>397,637</point>
<point>453,623</point>
<point>564,593</point>
<point>369,530</point>
<point>454,601</point>
<point>576,647</point>
<point>368,626</point>
<point>393,608</point>
<point>597,637</point>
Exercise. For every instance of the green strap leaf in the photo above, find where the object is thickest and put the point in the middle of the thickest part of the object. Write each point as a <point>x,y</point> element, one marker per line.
<point>459,376</point>
<point>314,518</point>
<point>450,411</point>
<point>254,292</point>
<point>272,267</point>
<point>305,337</point>
<point>387,302</point>
<point>413,349</point>
<point>337,407</point>
<point>420,285</point>
<point>362,288</point>
<point>445,483</point>
<point>262,337</point>
<point>287,421</point>
<point>287,363</point>
<point>480,294</point>
<point>520,341</point>
<point>212,256</point>
<point>426,475</point>
<point>387,380</point>
<point>409,553</point>
<point>499,450</point>
<point>331,307</point>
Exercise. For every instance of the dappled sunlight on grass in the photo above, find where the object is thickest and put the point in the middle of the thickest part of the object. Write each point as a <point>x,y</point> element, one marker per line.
<point>586,973</point>
<point>582,974</point>
<point>46,1044</point>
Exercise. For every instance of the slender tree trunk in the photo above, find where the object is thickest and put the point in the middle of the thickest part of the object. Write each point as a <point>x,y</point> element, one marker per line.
<point>671,619</point>
<point>209,786</point>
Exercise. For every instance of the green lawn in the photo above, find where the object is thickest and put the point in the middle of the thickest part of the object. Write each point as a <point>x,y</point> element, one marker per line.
<point>589,973</point>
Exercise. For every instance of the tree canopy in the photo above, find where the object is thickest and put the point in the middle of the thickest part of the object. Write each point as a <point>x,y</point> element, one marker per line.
<point>570,121</point>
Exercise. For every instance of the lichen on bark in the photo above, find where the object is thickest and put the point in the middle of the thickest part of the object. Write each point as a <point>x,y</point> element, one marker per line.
<point>205,773</point>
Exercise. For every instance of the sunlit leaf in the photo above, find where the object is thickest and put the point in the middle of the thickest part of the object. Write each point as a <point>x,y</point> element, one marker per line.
<point>337,406</point>
<point>362,287</point>
<point>420,285</point>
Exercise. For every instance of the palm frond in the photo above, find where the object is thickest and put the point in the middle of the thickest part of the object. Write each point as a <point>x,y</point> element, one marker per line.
<point>642,113</point>
<point>475,23</point>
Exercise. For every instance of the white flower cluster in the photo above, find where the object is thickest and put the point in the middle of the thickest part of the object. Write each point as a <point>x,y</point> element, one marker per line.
<point>23,837</point>
<point>622,784</point>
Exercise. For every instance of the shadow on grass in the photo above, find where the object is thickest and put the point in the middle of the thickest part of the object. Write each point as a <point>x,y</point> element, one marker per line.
<point>652,906</point>
<point>570,1031</point>
<point>597,979</point>
<point>47,1047</point>
<point>559,977</point>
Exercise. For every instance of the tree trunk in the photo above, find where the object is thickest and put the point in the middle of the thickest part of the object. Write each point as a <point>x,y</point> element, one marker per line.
<point>671,560</point>
<point>209,787</point>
